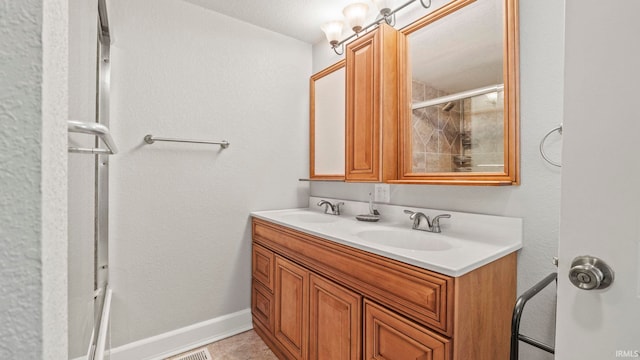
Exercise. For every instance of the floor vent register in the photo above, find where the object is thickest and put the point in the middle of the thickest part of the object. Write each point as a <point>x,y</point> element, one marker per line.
<point>202,354</point>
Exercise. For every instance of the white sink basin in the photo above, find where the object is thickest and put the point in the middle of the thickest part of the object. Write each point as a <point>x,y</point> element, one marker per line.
<point>311,217</point>
<point>406,239</point>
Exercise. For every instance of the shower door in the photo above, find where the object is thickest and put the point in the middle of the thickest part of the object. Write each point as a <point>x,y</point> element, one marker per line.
<point>88,291</point>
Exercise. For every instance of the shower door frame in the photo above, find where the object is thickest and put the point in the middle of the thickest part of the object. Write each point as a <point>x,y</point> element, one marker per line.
<point>102,292</point>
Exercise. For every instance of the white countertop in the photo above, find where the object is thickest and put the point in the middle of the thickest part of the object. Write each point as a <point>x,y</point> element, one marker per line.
<point>467,241</point>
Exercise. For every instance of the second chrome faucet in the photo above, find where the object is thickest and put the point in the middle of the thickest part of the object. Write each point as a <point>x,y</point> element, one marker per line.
<point>432,225</point>
<point>329,208</point>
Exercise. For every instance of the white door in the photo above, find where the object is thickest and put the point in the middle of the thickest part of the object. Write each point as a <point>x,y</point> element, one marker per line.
<point>600,213</point>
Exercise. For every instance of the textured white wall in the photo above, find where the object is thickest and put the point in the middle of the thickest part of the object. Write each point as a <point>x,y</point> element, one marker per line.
<point>20,229</point>
<point>536,200</point>
<point>180,234</point>
<point>55,96</point>
<point>33,114</point>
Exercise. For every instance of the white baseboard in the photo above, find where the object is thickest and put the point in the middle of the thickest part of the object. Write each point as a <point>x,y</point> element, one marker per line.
<point>177,341</point>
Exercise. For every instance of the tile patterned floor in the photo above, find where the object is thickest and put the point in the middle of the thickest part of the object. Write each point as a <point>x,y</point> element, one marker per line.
<point>244,346</point>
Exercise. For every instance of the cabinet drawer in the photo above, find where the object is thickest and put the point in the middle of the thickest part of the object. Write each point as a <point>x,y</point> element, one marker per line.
<point>389,336</point>
<point>419,294</point>
<point>262,305</point>
<point>262,266</point>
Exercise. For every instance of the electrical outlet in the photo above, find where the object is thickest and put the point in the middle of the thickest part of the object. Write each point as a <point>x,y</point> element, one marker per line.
<point>382,193</point>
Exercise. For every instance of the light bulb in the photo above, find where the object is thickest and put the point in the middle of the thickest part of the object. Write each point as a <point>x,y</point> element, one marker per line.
<point>356,15</point>
<point>333,31</point>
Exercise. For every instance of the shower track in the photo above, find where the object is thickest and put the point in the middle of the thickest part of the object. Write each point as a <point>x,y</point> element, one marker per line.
<point>102,302</point>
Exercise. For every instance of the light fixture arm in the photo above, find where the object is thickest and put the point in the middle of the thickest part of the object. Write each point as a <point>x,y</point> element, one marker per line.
<point>335,48</point>
<point>425,6</point>
<point>390,19</point>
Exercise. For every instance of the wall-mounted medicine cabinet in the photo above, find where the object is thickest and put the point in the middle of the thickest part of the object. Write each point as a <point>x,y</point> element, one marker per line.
<point>433,103</point>
<point>459,96</point>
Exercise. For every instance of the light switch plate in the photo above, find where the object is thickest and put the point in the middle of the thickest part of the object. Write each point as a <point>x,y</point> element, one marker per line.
<point>382,193</point>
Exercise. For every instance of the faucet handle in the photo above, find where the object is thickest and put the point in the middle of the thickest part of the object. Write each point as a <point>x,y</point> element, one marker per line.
<point>435,223</point>
<point>446,216</point>
<point>412,213</point>
<point>336,210</point>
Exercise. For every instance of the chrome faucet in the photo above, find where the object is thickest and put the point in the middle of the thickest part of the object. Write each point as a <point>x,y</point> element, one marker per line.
<point>432,225</point>
<point>335,208</point>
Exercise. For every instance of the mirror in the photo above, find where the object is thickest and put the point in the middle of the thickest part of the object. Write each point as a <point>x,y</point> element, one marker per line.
<point>327,112</point>
<point>459,90</point>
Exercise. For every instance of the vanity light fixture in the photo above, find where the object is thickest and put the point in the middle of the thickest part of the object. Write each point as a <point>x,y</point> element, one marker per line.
<point>355,15</point>
<point>333,31</point>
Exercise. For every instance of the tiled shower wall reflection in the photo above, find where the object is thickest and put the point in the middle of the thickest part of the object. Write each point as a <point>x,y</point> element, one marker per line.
<point>436,133</point>
<point>467,135</point>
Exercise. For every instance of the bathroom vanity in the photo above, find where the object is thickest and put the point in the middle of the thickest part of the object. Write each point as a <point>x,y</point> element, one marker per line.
<point>329,287</point>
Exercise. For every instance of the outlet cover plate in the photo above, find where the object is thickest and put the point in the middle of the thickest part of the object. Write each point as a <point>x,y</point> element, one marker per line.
<point>382,193</point>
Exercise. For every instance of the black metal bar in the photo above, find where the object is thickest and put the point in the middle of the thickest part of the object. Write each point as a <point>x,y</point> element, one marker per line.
<point>536,343</point>
<point>517,314</point>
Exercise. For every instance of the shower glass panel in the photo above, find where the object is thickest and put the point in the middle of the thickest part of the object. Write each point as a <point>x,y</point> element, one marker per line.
<point>80,247</point>
<point>464,135</point>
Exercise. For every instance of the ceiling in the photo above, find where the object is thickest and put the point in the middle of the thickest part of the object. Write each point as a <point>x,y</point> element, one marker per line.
<point>300,19</point>
<point>461,52</point>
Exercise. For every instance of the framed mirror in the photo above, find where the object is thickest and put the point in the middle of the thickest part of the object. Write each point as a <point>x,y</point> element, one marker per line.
<point>327,123</point>
<point>459,118</point>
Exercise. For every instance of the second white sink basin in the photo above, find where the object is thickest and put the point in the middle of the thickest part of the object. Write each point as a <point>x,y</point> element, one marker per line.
<point>406,239</point>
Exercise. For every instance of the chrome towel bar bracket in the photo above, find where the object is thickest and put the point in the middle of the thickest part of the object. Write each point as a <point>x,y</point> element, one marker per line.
<point>543,153</point>
<point>93,128</point>
<point>150,139</point>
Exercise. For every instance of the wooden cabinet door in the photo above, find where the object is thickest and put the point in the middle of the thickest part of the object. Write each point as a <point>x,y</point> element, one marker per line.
<point>363,121</point>
<point>389,336</point>
<point>292,307</point>
<point>334,321</point>
<point>372,106</point>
